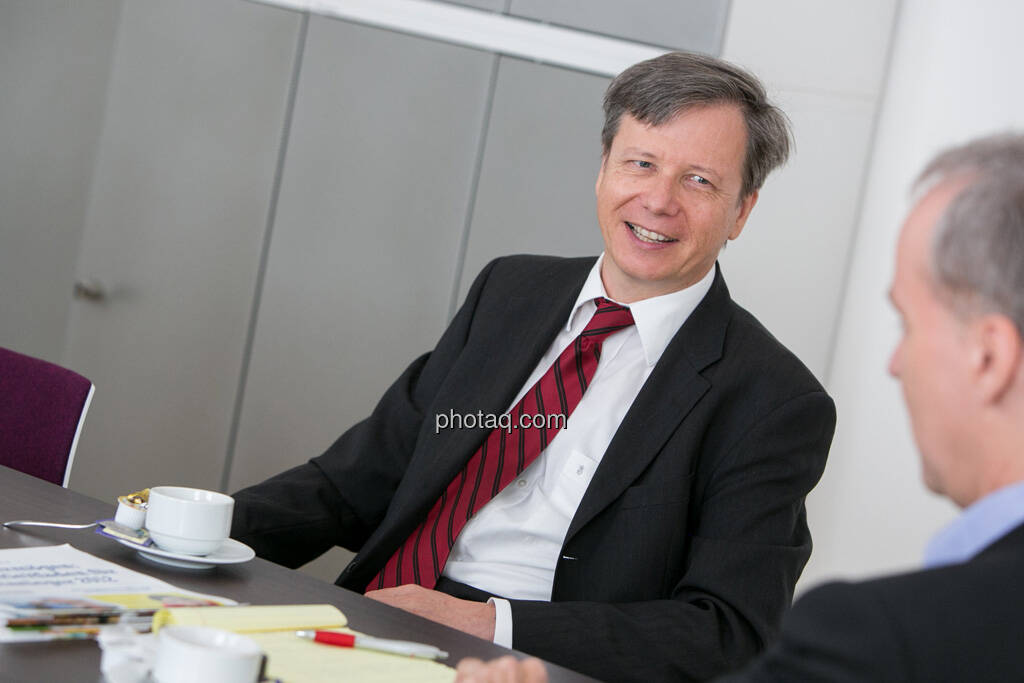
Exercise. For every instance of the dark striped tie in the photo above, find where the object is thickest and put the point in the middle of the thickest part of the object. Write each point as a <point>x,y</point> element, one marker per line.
<point>504,455</point>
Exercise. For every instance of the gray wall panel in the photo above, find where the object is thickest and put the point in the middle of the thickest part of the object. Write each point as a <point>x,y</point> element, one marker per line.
<point>174,230</point>
<point>543,151</point>
<point>363,254</point>
<point>55,60</point>
<point>696,25</point>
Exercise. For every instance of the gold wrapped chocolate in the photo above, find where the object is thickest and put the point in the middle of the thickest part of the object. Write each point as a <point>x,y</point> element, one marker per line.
<point>139,498</point>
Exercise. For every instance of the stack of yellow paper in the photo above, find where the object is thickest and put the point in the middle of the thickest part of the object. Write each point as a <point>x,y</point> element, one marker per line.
<point>292,659</point>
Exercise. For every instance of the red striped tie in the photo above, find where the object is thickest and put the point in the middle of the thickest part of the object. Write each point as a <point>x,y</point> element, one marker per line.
<point>504,455</point>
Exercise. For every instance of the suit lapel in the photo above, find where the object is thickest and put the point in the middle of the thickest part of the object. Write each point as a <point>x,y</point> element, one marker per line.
<point>501,372</point>
<point>489,380</point>
<point>669,394</point>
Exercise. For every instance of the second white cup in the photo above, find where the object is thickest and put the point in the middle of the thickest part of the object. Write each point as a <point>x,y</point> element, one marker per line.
<point>189,521</point>
<point>186,654</point>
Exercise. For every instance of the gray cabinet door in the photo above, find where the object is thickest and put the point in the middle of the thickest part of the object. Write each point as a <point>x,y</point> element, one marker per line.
<point>696,25</point>
<point>363,254</point>
<point>178,211</point>
<point>54,64</point>
<point>543,151</point>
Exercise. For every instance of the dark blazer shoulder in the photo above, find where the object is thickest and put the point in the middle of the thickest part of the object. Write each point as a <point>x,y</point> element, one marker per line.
<point>954,623</point>
<point>751,346</point>
<point>746,363</point>
<point>989,576</point>
<point>526,273</point>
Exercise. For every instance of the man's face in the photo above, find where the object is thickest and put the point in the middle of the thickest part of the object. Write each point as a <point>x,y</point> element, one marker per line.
<point>931,359</point>
<point>668,198</point>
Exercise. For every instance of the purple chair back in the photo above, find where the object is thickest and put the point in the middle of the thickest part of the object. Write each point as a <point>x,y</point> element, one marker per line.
<point>42,407</point>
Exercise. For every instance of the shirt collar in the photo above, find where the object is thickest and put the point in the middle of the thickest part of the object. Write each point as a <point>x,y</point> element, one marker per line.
<point>980,525</point>
<point>657,318</point>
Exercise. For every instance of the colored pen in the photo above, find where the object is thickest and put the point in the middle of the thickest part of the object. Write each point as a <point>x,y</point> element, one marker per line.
<point>397,647</point>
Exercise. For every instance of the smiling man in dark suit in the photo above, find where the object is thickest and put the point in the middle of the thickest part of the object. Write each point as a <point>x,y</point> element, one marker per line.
<point>959,290</point>
<point>659,532</point>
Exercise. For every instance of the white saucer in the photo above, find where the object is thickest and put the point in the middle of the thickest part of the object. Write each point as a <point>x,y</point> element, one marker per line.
<point>231,552</point>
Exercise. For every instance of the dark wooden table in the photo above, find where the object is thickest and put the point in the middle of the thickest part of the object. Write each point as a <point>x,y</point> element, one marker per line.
<point>258,582</point>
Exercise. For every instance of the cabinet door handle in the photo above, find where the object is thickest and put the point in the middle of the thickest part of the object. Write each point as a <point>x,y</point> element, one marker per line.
<point>90,290</point>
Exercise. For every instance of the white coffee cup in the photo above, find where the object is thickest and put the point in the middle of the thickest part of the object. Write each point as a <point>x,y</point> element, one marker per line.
<point>189,521</point>
<point>186,654</point>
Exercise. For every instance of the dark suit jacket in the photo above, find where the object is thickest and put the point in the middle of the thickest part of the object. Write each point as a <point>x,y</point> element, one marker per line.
<point>684,551</point>
<point>954,624</point>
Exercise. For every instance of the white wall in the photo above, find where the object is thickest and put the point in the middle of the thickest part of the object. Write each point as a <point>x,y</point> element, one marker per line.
<point>824,63</point>
<point>955,74</point>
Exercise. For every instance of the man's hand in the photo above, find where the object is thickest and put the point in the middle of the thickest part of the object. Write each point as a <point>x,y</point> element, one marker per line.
<point>503,670</point>
<point>475,618</point>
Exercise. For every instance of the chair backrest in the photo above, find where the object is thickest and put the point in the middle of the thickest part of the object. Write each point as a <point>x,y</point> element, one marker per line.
<point>42,408</point>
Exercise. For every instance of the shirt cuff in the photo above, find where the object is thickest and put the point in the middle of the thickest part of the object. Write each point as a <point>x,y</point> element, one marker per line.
<point>502,621</point>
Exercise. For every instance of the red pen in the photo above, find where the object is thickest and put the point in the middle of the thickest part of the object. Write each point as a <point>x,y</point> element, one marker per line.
<point>397,647</point>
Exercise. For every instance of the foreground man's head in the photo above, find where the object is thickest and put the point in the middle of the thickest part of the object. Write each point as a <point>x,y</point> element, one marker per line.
<point>959,290</point>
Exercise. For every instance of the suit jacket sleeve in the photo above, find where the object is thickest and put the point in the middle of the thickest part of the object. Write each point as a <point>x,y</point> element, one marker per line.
<point>339,497</point>
<point>840,633</point>
<point>747,548</point>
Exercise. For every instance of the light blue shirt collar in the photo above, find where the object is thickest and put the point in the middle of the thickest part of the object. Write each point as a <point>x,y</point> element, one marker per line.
<point>980,525</point>
<point>657,318</point>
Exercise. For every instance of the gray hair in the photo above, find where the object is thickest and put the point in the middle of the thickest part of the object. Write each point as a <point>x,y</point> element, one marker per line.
<point>659,89</point>
<point>977,253</point>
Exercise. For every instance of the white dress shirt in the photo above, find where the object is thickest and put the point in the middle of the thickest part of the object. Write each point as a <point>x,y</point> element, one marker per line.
<point>511,546</point>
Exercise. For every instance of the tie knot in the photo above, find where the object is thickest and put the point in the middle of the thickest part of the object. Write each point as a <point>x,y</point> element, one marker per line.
<point>610,317</point>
